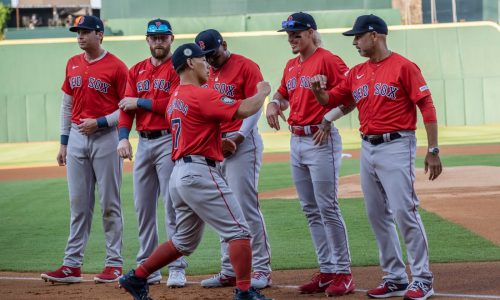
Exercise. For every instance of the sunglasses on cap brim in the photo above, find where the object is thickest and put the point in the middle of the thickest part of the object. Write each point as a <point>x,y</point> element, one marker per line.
<point>293,24</point>
<point>163,28</point>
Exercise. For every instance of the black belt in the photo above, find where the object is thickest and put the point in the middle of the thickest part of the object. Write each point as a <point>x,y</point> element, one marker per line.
<point>153,134</point>
<point>189,159</point>
<point>379,139</point>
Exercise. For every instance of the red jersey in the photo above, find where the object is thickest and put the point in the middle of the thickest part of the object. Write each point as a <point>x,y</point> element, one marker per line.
<point>96,87</point>
<point>295,85</point>
<point>195,114</point>
<point>385,94</point>
<point>151,82</point>
<point>236,79</point>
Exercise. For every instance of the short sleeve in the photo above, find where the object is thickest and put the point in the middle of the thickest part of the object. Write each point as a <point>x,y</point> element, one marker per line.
<point>282,89</point>
<point>252,77</point>
<point>131,90</point>
<point>121,80</point>
<point>216,106</point>
<point>336,70</point>
<point>341,93</point>
<point>66,88</point>
<point>413,82</point>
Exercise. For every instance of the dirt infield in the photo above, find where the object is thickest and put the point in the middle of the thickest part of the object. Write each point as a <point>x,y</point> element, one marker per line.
<point>453,281</point>
<point>473,191</point>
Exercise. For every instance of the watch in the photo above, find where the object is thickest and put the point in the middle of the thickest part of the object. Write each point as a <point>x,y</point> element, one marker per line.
<point>434,150</point>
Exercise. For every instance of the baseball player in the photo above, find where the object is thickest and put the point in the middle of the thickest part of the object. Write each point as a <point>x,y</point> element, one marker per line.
<point>197,187</point>
<point>94,84</point>
<point>236,76</point>
<point>315,152</point>
<point>150,83</point>
<point>386,89</point>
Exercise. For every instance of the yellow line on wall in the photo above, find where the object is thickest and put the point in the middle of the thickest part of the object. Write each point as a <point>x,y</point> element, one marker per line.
<point>247,33</point>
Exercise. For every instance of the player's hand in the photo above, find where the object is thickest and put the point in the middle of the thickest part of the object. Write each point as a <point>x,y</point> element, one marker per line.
<point>228,147</point>
<point>124,149</point>
<point>323,133</point>
<point>264,88</point>
<point>87,126</point>
<point>128,103</point>
<point>318,83</point>
<point>61,156</point>
<point>273,110</point>
<point>238,139</point>
<point>433,165</point>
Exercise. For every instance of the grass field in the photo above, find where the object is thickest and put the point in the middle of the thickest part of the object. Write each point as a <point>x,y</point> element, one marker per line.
<point>34,220</point>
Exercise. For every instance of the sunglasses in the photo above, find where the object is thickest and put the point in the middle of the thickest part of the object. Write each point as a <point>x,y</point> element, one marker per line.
<point>293,24</point>
<point>163,28</point>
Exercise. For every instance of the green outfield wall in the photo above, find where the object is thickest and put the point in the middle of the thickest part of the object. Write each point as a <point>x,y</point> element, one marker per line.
<point>124,9</point>
<point>459,61</point>
<point>248,22</point>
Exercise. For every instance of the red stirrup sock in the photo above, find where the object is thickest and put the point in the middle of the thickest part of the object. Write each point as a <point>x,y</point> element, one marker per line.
<point>162,256</point>
<point>240,255</point>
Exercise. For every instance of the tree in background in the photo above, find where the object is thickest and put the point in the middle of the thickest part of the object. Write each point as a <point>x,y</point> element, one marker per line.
<point>4,15</point>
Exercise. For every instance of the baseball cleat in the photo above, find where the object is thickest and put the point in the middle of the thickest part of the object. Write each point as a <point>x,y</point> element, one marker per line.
<point>318,284</point>
<point>64,274</point>
<point>261,280</point>
<point>109,274</point>
<point>388,289</point>
<point>219,280</point>
<point>419,290</point>
<point>135,286</point>
<point>154,278</point>
<point>342,284</point>
<point>176,279</point>
<point>251,294</point>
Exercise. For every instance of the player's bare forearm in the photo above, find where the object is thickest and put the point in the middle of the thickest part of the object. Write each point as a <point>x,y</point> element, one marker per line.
<point>432,134</point>
<point>347,108</point>
<point>321,96</point>
<point>274,110</point>
<point>251,105</point>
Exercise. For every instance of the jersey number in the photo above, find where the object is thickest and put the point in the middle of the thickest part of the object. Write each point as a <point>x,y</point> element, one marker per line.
<point>176,129</point>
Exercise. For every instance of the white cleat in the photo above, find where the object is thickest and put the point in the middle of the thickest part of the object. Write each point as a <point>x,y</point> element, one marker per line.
<point>176,279</point>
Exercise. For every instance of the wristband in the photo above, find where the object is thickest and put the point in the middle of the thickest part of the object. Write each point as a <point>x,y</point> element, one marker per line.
<point>123,133</point>
<point>102,122</point>
<point>64,139</point>
<point>276,101</point>
<point>147,104</point>
<point>334,114</point>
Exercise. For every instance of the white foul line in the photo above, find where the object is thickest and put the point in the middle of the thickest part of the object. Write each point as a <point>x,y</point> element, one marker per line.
<point>471,296</point>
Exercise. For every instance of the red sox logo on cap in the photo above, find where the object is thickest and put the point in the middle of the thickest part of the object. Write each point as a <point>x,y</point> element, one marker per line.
<point>290,18</point>
<point>157,24</point>
<point>202,45</point>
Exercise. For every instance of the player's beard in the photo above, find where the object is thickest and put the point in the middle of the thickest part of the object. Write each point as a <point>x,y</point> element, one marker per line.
<point>159,52</point>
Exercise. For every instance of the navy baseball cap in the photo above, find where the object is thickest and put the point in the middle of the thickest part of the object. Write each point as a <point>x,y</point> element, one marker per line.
<point>87,22</point>
<point>298,22</point>
<point>185,51</point>
<point>367,23</point>
<point>158,26</point>
<point>209,40</point>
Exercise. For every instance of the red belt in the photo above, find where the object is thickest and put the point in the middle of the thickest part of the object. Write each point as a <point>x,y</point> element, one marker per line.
<point>304,130</point>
